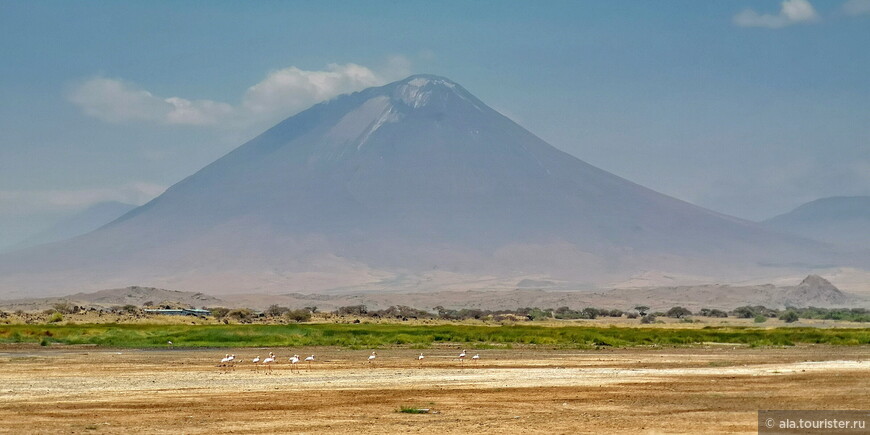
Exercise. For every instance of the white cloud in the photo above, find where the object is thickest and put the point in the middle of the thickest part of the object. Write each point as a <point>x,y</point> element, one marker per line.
<point>196,112</point>
<point>281,93</point>
<point>116,101</point>
<point>791,12</point>
<point>25,202</point>
<point>293,89</point>
<point>857,7</point>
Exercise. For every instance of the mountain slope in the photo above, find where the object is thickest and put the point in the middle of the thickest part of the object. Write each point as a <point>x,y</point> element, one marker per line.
<point>80,223</point>
<point>416,184</point>
<point>842,220</point>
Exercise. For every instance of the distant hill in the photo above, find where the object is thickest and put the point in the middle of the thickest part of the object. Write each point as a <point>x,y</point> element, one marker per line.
<point>841,220</point>
<point>812,291</point>
<point>133,295</point>
<point>80,223</point>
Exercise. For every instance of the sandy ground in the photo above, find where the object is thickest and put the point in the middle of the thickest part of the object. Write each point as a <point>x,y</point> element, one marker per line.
<point>712,389</point>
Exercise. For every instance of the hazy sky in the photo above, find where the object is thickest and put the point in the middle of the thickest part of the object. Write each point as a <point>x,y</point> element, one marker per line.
<point>746,107</point>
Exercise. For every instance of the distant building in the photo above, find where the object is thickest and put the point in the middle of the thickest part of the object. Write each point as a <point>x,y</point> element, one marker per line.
<point>179,312</point>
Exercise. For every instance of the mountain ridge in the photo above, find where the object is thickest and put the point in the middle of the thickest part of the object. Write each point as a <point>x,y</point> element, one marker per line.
<point>840,220</point>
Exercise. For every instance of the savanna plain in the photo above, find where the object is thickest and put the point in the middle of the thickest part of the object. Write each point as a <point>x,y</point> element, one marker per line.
<point>114,378</point>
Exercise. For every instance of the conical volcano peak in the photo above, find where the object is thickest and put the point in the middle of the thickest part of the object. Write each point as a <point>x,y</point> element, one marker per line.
<point>427,79</point>
<point>381,187</point>
<point>419,90</point>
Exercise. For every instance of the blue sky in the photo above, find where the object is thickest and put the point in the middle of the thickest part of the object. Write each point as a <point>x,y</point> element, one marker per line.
<point>746,107</point>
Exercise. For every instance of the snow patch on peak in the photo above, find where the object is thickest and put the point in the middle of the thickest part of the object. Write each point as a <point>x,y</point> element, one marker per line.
<point>356,126</point>
<point>418,82</point>
<point>388,115</point>
<point>417,91</point>
<point>412,93</point>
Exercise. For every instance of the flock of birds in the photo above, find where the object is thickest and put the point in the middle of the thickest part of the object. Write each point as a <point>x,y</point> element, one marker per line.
<point>228,362</point>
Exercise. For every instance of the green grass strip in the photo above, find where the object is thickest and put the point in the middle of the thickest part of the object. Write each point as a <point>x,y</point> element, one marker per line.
<point>385,335</point>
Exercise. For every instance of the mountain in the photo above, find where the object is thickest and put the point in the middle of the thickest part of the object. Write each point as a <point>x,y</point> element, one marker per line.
<point>415,185</point>
<point>80,223</point>
<point>841,220</point>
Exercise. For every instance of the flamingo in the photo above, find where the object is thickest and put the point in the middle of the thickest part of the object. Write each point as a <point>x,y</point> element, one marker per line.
<point>475,357</point>
<point>420,358</point>
<point>372,357</point>
<point>169,342</point>
<point>462,356</point>
<point>268,361</point>
<point>308,360</point>
<point>225,361</point>
<point>256,361</point>
<point>293,360</point>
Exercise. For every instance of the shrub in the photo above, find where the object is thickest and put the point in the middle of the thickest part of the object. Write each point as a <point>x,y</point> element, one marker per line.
<point>707,312</point>
<point>405,312</point>
<point>642,310</point>
<point>537,314</point>
<point>760,319</point>
<point>131,309</point>
<point>298,315</point>
<point>353,310</point>
<point>63,307</point>
<point>747,312</point>
<point>718,313</point>
<point>219,312</point>
<point>276,311</point>
<point>649,318</point>
<point>241,314</point>
<point>591,313</point>
<point>412,410</point>
<point>55,317</point>
<point>744,312</point>
<point>567,313</point>
<point>678,312</point>
<point>789,316</point>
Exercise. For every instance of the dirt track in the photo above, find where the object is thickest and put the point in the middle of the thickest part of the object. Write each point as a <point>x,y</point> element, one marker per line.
<point>698,390</point>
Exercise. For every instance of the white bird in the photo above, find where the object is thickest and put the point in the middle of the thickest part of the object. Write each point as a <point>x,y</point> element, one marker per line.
<point>293,360</point>
<point>169,342</point>
<point>462,356</point>
<point>308,360</point>
<point>233,361</point>
<point>476,357</point>
<point>225,361</point>
<point>372,357</point>
<point>420,358</point>
<point>268,361</point>
<point>256,361</point>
